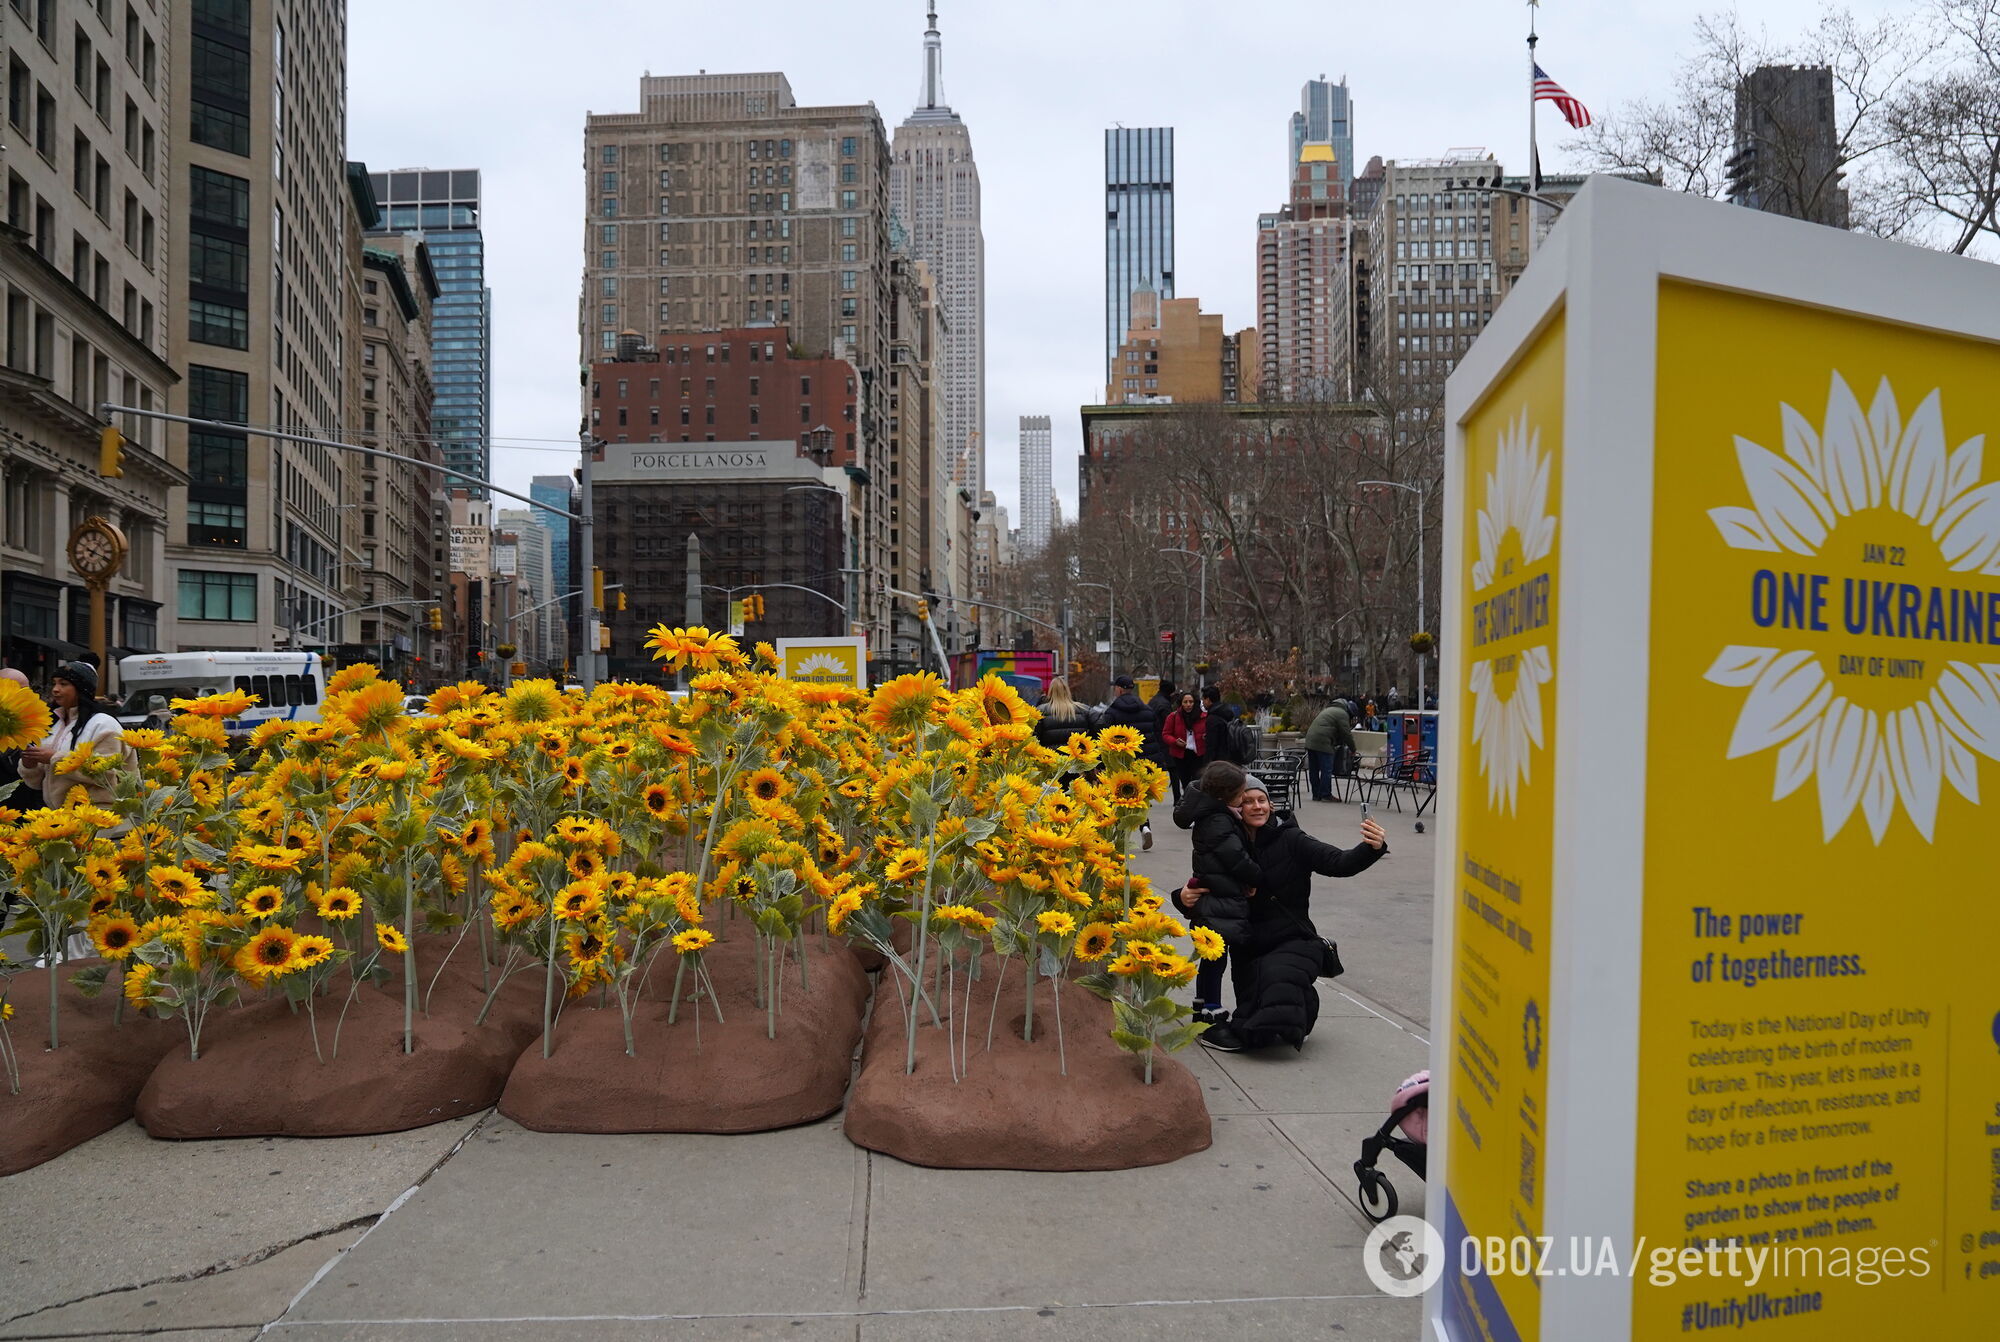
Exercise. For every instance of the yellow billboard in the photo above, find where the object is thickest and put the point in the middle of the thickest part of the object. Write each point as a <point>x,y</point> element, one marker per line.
<point>1510,478</point>
<point>825,661</point>
<point>1820,1082</point>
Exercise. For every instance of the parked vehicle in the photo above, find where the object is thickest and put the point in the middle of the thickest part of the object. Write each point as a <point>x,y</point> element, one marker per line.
<point>288,685</point>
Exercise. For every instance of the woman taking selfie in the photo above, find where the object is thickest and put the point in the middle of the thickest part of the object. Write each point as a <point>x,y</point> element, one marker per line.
<point>1274,963</point>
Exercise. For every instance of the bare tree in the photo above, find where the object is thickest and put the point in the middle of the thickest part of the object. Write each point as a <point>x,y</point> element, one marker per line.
<point>1945,130</point>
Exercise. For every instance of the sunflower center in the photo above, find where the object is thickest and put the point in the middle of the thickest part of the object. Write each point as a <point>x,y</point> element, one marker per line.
<point>1879,607</point>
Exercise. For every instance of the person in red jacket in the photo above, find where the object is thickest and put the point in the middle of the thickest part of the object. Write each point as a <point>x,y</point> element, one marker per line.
<point>1186,733</point>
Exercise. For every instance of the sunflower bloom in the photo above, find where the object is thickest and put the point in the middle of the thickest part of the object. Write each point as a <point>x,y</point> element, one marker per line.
<point>312,951</point>
<point>264,901</point>
<point>908,864</point>
<point>115,935</point>
<point>270,953</point>
<point>1207,944</point>
<point>692,940</point>
<point>24,718</point>
<point>391,938</point>
<point>233,704</point>
<point>1055,922</point>
<point>1094,942</point>
<point>338,904</point>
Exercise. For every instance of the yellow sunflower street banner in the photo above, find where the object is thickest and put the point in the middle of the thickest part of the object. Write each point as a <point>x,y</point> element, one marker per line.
<point>1717,1020</point>
<point>825,661</point>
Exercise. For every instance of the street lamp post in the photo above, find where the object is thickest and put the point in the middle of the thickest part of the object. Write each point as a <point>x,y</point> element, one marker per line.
<point>1418,490</point>
<point>1113,672</point>
<point>1202,630</point>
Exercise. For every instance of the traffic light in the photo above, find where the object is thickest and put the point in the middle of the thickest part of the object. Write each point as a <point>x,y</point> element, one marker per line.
<point>1076,668</point>
<point>597,589</point>
<point>621,599</point>
<point>436,620</point>
<point>111,453</point>
<point>924,611</point>
<point>753,608</point>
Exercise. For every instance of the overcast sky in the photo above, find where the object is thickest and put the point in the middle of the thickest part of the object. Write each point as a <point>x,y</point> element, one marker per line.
<point>504,85</point>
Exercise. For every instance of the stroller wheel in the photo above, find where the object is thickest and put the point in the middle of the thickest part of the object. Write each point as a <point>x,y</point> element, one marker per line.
<point>1378,1196</point>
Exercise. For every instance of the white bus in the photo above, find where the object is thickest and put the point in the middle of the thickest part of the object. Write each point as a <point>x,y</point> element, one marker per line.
<point>288,685</point>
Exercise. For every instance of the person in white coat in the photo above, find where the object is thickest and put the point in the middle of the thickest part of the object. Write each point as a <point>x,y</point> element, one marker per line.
<point>79,719</point>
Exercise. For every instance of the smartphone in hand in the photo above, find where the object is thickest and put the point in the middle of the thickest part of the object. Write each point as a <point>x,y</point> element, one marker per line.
<point>1364,810</point>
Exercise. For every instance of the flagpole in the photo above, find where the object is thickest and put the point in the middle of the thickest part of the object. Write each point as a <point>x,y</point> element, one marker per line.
<point>1534,156</point>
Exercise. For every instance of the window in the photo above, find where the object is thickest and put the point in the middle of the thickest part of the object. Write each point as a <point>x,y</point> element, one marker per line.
<point>608,182</point>
<point>849,173</point>
<point>218,596</point>
<point>218,263</point>
<point>218,524</point>
<point>609,154</point>
<point>850,200</point>
<point>849,228</point>
<point>847,146</point>
<point>218,324</point>
<point>847,281</point>
<point>608,235</point>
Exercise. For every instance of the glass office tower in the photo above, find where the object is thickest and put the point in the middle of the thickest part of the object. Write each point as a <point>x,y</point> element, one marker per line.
<point>444,207</point>
<point>1138,225</point>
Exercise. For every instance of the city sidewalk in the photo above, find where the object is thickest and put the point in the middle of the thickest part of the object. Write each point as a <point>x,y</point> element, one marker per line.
<point>480,1228</point>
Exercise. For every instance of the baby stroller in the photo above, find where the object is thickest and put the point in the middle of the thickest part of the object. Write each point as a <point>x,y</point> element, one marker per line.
<point>1405,1135</point>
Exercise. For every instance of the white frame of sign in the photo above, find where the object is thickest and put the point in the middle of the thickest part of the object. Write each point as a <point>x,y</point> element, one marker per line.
<point>1602,266</point>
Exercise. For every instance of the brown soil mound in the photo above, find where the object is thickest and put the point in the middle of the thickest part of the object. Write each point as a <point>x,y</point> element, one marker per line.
<point>86,1086</point>
<point>734,1080</point>
<point>258,1075</point>
<point>1013,1109</point>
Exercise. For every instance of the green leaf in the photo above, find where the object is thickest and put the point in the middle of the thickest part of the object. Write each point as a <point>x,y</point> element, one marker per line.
<point>1099,985</point>
<point>1130,1018</point>
<point>1176,1040</point>
<point>1164,1008</point>
<point>1131,1043</point>
<point>90,982</point>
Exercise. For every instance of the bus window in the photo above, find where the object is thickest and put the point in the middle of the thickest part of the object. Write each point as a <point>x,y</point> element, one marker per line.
<point>295,689</point>
<point>261,687</point>
<point>243,684</point>
<point>310,686</point>
<point>278,697</point>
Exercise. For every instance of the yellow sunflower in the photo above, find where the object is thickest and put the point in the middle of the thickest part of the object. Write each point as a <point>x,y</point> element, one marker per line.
<point>1207,944</point>
<point>312,951</point>
<point>264,901</point>
<point>338,904</point>
<point>905,703</point>
<point>212,706</point>
<point>177,885</point>
<point>24,718</point>
<point>270,953</point>
<point>391,938</point>
<point>692,940</point>
<point>659,799</point>
<point>907,865</point>
<point>1055,922</point>
<point>114,935</point>
<point>1094,942</point>
<point>767,785</point>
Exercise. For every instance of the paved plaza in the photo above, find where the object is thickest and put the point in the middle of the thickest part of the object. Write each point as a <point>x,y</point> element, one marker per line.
<point>482,1229</point>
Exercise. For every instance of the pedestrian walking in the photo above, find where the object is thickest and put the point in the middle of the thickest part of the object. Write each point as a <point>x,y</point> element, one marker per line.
<point>1186,731</point>
<point>1329,744</point>
<point>1062,716</point>
<point>80,719</point>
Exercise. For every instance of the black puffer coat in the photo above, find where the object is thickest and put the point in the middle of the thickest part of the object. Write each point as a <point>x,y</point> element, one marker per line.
<point>1055,733</point>
<point>1274,965</point>
<point>1222,865</point>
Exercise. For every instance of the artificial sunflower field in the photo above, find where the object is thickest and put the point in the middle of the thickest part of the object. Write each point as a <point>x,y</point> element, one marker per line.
<point>606,849</point>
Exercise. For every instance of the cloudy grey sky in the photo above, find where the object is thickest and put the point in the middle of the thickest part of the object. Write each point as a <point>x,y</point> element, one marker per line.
<point>504,85</point>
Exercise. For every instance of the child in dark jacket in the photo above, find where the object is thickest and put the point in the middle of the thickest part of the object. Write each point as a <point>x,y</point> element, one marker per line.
<point>1223,865</point>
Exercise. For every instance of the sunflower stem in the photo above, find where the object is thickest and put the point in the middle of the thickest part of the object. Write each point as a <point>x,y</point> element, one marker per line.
<point>1028,964</point>
<point>409,959</point>
<point>674,1006</point>
<point>993,1012</point>
<point>923,937</point>
<point>771,996</point>
<point>702,971</point>
<point>549,988</point>
<point>1062,1057</point>
<point>54,949</point>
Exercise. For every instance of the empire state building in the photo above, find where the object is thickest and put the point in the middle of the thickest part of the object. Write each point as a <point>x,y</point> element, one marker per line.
<point>934,193</point>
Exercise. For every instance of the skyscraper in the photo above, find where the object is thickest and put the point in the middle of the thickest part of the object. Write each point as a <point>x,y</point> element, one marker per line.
<point>265,228</point>
<point>1325,116</point>
<point>1304,302</point>
<point>1787,157</point>
<point>444,207</point>
<point>1037,483</point>
<point>1138,225</point>
<point>934,194</point>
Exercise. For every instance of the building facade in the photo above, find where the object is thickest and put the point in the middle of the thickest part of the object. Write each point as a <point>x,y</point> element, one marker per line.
<point>1304,276</point>
<point>1325,116</point>
<point>1037,483</point>
<point>83,267</point>
<point>444,208</point>
<point>261,210</point>
<point>537,625</point>
<point>763,514</point>
<point>391,504</point>
<point>934,195</point>
<point>1174,352</point>
<point>1138,225</point>
<point>722,202</point>
<point>1787,155</point>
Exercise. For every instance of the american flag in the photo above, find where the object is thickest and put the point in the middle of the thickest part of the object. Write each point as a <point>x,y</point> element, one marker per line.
<point>1547,90</point>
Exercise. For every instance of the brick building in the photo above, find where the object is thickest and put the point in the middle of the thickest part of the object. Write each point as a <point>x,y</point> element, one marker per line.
<point>743,384</point>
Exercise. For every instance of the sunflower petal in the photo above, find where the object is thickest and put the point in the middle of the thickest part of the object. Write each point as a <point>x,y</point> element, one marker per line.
<point>1851,474</point>
<point>1795,763</point>
<point>1917,477</point>
<point>1846,740</point>
<point>1885,421</point>
<point>1913,745</point>
<point>1965,465</point>
<point>1802,443</point>
<point>1970,707</point>
<point>1742,529</point>
<point>1738,667</point>
<point>1959,766</point>
<point>1795,513</point>
<point>1968,532</point>
<point>1878,790</point>
<point>1786,699</point>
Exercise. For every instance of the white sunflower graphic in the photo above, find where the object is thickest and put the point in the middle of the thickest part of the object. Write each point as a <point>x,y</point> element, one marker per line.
<point>1886,471</point>
<point>1516,530</point>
